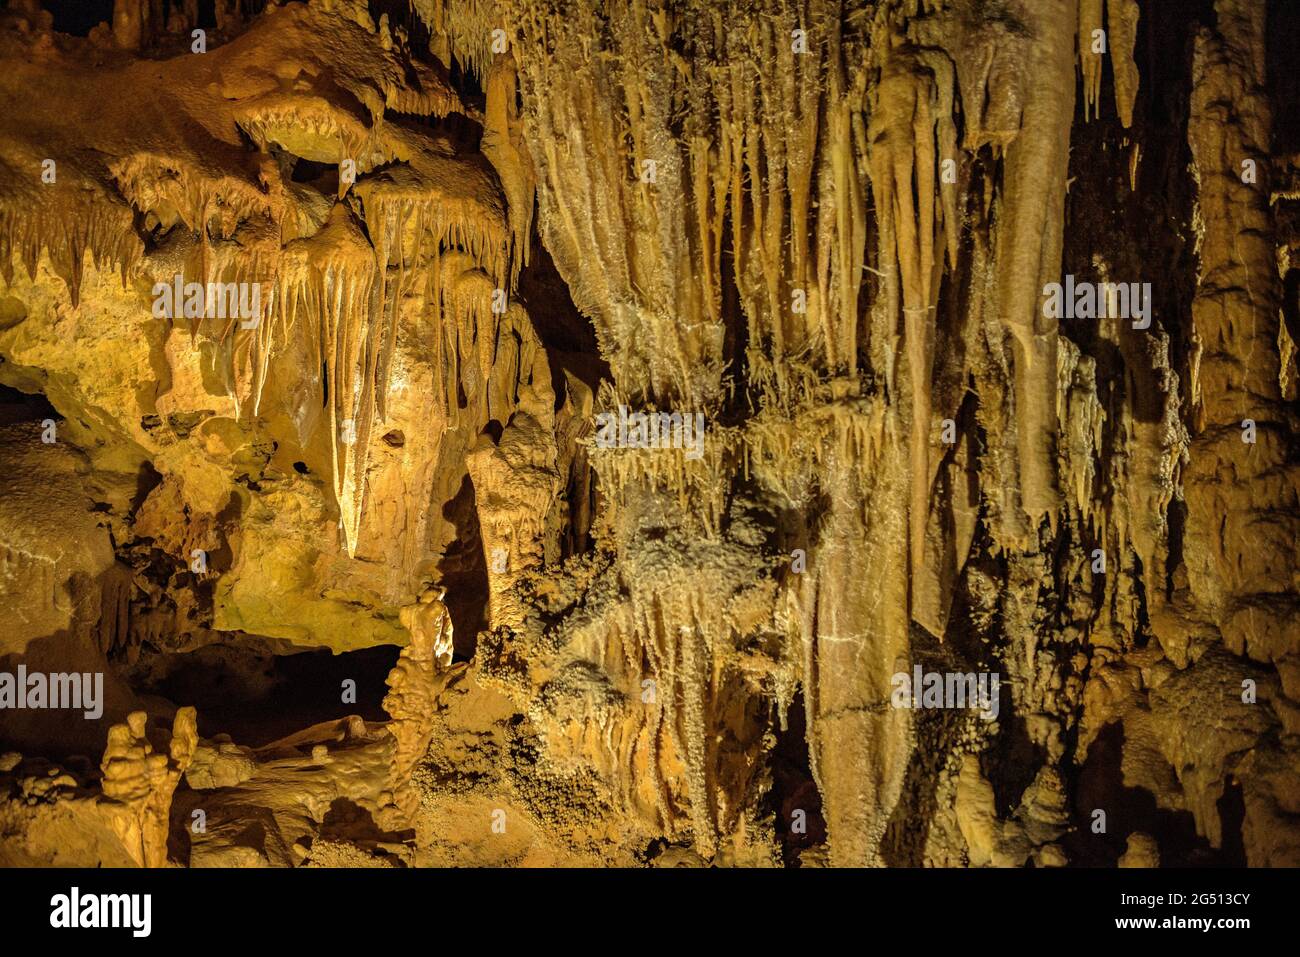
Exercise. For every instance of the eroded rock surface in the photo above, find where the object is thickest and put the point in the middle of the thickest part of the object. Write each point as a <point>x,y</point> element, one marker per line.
<point>786,433</point>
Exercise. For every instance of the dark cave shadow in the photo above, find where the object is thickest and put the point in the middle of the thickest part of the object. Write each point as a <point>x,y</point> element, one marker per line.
<point>462,570</point>
<point>793,788</point>
<point>1099,784</point>
<point>259,698</point>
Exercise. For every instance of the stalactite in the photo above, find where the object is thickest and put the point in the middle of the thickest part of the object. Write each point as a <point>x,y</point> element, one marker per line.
<point>1121,22</point>
<point>1118,40</point>
<point>904,165</point>
<point>1029,231</point>
<point>67,236</point>
<point>1090,54</point>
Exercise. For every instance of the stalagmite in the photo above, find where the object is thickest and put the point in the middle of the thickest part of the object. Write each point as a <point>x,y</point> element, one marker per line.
<point>414,685</point>
<point>130,22</point>
<point>138,783</point>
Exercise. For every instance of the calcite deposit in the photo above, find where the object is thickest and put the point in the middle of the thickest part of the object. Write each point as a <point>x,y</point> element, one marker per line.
<point>649,433</point>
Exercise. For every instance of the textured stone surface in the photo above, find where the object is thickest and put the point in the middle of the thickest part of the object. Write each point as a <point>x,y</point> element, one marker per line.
<point>830,230</point>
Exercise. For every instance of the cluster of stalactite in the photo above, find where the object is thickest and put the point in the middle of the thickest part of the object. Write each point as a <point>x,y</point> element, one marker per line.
<point>427,232</point>
<point>831,225</point>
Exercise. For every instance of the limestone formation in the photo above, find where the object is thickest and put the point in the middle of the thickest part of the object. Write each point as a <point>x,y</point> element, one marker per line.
<point>671,433</point>
<point>138,783</point>
<point>414,686</point>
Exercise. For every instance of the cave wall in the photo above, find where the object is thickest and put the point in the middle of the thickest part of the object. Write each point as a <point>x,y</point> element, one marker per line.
<point>488,233</point>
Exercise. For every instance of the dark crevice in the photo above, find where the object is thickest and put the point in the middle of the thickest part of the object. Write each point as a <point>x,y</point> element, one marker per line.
<point>793,798</point>
<point>463,570</point>
<point>245,690</point>
<point>78,17</point>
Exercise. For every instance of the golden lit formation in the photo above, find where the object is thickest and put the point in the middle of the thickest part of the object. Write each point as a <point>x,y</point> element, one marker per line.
<point>621,433</point>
